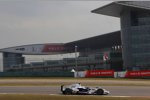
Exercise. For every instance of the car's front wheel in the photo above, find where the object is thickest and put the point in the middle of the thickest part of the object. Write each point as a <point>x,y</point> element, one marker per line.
<point>100,92</point>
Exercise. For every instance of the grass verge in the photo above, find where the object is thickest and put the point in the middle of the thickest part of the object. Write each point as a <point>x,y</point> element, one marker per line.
<point>84,81</point>
<point>62,97</point>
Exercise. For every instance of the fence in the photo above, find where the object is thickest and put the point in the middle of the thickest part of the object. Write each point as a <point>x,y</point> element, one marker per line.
<point>37,74</point>
<point>89,73</point>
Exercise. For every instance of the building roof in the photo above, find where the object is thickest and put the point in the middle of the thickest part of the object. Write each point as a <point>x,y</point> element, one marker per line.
<point>97,42</point>
<point>115,8</point>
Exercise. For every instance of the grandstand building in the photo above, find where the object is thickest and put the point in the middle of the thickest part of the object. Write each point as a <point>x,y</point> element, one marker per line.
<point>135,31</point>
<point>99,52</point>
<point>128,49</point>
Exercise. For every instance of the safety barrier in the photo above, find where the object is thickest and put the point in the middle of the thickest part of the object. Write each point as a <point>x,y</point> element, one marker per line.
<point>37,74</point>
<point>111,73</point>
<point>95,73</point>
<point>133,74</point>
<point>138,74</point>
<point>88,73</point>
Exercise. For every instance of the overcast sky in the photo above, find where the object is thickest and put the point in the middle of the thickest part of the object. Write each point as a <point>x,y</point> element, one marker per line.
<point>32,22</point>
<point>42,21</point>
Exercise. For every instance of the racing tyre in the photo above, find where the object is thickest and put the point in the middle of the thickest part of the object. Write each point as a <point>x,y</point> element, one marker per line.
<point>100,92</point>
<point>67,91</point>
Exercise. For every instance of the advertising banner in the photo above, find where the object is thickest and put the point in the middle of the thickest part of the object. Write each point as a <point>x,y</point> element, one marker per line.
<point>53,48</point>
<point>100,73</point>
<point>143,73</point>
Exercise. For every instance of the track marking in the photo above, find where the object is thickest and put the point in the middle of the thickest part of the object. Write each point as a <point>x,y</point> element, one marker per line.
<point>95,95</point>
<point>74,95</point>
<point>14,93</point>
<point>54,94</point>
<point>120,96</point>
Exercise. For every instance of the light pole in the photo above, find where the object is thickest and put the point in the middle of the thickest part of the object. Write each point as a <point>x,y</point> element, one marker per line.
<point>76,57</point>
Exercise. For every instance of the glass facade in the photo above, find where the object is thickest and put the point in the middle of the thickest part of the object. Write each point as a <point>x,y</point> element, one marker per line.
<point>10,60</point>
<point>135,30</point>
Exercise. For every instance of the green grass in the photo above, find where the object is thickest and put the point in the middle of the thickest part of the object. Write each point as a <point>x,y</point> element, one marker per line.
<point>59,84</point>
<point>62,97</point>
<point>48,81</point>
<point>72,78</point>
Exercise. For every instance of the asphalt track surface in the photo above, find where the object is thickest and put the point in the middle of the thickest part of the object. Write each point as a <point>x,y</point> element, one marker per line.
<point>114,90</point>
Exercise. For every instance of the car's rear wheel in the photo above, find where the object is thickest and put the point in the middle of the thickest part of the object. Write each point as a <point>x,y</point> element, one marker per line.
<point>67,91</point>
<point>100,92</point>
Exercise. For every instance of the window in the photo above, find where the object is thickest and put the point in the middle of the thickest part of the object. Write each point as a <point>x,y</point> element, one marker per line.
<point>134,18</point>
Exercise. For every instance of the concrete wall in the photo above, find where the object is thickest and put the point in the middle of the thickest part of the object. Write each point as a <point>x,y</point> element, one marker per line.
<point>1,63</point>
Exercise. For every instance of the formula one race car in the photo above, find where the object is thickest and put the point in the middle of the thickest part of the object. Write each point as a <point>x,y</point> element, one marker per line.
<point>82,90</point>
